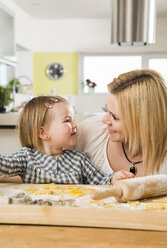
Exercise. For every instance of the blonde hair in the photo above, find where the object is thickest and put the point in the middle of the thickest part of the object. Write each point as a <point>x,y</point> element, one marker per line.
<point>142,99</point>
<point>35,114</point>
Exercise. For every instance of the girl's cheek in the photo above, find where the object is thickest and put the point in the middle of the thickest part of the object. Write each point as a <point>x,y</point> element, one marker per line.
<point>69,127</point>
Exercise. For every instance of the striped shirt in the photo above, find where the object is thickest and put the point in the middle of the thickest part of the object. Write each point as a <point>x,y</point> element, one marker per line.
<point>35,167</point>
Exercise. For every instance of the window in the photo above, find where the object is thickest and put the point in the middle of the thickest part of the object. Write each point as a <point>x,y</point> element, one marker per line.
<point>7,72</point>
<point>160,65</point>
<point>102,69</point>
<point>3,73</point>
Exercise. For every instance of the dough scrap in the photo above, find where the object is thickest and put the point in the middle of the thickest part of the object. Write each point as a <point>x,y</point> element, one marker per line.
<point>133,203</point>
<point>157,206</point>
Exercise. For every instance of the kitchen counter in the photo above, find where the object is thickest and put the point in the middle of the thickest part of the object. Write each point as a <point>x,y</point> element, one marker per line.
<point>8,132</point>
<point>9,119</point>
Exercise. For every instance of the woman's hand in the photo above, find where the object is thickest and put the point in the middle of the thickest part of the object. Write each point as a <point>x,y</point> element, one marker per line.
<point>122,174</point>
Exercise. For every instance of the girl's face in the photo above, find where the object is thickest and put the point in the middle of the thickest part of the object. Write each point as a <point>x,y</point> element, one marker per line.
<point>112,119</point>
<point>62,130</point>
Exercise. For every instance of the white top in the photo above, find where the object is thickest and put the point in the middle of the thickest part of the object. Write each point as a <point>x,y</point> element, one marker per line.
<point>92,140</point>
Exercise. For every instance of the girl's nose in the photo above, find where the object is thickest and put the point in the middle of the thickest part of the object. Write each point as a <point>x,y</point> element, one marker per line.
<point>74,125</point>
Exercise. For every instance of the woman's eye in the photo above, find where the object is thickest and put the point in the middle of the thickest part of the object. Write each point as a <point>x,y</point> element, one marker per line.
<point>114,117</point>
<point>67,120</point>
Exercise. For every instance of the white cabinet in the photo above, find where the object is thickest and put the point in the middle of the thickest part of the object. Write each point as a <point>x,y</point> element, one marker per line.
<point>7,45</point>
<point>7,33</point>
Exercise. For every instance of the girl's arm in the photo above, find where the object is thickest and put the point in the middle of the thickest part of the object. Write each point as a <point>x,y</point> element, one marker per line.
<point>15,179</point>
<point>93,174</point>
<point>13,165</point>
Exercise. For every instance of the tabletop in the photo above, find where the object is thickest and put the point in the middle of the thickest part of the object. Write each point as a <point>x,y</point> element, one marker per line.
<point>95,226</point>
<point>34,236</point>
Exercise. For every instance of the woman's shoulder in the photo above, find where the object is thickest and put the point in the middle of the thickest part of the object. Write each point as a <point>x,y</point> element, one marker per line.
<point>90,132</point>
<point>93,123</point>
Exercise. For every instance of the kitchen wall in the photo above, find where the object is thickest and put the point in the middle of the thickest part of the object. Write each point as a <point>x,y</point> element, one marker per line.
<point>67,85</point>
<point>62,41</point>
<point>91,35</point>
<point>41,42</point>
<point>88,36</point>
<point>24,64</point>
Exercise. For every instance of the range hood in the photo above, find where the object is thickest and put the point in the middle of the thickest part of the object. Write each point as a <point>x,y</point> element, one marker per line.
<point>133,22</point>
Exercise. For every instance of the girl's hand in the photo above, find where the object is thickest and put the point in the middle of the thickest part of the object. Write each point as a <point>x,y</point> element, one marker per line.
<point>122,174</point>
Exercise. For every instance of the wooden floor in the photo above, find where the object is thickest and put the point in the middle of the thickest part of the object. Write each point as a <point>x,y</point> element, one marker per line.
<point>33,236</point>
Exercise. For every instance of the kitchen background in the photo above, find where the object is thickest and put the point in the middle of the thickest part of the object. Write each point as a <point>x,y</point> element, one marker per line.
<point>75,34</point>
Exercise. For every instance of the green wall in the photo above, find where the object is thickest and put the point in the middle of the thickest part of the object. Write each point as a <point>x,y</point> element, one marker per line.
<point>67,85</point>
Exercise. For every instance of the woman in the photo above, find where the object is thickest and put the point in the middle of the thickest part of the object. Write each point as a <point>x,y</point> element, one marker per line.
<point>131,139</point>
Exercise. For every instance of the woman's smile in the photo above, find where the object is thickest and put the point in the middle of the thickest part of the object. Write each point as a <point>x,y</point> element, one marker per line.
<point>111,131</point>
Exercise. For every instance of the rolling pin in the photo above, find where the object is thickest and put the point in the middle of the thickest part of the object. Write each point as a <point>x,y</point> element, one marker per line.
<point>134,188</point>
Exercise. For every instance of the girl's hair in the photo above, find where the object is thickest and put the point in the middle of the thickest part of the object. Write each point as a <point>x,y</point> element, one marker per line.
<point>142,99</point>
<point>35,114</point>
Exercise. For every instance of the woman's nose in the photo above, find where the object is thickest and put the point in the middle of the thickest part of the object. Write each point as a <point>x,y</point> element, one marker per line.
<point>106,120</point>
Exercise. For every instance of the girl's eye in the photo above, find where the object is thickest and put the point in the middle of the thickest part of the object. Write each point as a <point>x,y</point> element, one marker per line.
<point>67,120</point>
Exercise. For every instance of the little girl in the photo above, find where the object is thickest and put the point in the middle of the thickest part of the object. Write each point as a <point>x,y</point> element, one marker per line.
<point>46,129</point>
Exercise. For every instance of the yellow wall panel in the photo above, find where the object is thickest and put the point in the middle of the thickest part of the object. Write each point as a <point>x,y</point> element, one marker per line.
<point>67,85</point>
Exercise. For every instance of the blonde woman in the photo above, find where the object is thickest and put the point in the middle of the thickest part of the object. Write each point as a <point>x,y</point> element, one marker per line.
<point>132,136</point>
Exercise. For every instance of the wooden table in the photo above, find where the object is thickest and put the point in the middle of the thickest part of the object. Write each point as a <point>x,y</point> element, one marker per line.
<point>34,236</point>
<point>23,226</point>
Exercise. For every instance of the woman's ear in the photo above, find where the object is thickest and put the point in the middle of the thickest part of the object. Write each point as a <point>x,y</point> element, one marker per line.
<point>43,133</point>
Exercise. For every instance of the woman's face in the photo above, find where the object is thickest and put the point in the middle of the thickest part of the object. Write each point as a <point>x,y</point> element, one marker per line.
<point>112,119</point>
